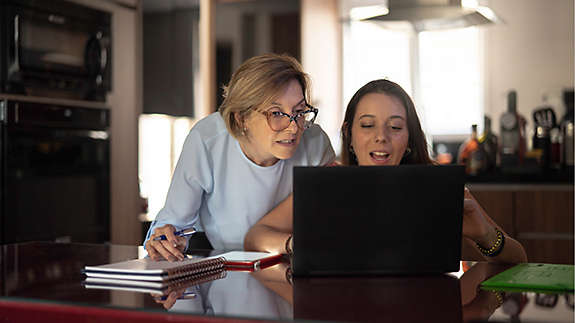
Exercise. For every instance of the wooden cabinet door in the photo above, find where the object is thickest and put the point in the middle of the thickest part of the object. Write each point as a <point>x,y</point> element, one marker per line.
<point>544,222</point>
<point>499,206</point>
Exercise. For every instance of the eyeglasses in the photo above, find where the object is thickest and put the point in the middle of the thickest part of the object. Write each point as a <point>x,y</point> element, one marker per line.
<point>278,120</point>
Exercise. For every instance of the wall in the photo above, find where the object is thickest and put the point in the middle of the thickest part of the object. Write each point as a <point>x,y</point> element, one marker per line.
<point>229,24</point>
<point>169,61</point>
<point>321,59</point>
<point>532,53</point>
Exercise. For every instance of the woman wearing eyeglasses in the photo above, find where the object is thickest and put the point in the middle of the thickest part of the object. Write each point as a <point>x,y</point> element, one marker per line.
<point>236,164</point>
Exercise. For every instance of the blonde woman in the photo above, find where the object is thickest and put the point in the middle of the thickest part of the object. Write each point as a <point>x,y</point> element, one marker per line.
<point>236,164</point>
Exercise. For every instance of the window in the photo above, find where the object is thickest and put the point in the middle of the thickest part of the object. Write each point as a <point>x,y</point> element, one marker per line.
<point>450,77</point>
<point>371,52</point>
<point>161,141</point>
<point>441,70</point>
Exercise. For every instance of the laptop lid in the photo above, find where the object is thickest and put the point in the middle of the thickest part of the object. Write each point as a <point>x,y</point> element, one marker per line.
<point>377,220</point>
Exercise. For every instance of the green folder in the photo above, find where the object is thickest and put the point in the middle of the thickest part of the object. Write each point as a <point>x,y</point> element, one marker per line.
<point>533,277</point>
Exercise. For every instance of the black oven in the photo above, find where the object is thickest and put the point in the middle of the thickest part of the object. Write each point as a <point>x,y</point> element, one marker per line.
<point>55,173</point>
<point>54,49</point>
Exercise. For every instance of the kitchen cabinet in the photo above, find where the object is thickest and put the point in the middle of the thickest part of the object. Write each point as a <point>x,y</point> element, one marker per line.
<point>125,102</point>
<point>538,216</point>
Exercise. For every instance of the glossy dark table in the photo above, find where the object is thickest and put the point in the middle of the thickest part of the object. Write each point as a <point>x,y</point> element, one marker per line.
<point>42,281</point>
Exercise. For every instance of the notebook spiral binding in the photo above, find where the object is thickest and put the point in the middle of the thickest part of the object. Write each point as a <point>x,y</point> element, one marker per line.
<point>204,266</point>
<point>196,279</point>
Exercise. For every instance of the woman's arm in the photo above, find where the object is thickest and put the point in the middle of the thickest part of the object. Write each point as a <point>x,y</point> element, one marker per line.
<point>276,279</point>
<point>191,177</point>
<point>479,228</point>
<point>272,231</point>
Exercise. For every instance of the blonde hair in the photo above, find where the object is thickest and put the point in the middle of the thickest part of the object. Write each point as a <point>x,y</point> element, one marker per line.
<point>257,82</point>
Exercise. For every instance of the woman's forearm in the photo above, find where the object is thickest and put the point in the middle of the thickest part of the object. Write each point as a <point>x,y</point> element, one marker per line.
<point>512,252</point>
<point>265,238</point>
<point>272,231</point>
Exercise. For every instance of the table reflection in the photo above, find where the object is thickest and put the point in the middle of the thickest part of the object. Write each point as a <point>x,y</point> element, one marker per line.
<point>238,294</point>
<point>272,293</point>
<point>52,272</point>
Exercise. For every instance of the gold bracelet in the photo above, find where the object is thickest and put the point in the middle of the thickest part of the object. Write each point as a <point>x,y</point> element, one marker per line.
<point>289,275</point>
<point>499,296</point>
<point>496,248</point>
<point>287,246</point>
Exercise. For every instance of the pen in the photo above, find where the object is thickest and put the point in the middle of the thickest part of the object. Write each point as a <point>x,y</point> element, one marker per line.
<point>182,233</point>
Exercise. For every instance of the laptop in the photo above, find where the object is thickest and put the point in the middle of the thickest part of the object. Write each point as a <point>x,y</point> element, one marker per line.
<point>377,220</point>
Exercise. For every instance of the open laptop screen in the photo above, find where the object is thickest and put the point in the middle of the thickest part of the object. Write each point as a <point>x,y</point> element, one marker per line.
<point>377,220</point>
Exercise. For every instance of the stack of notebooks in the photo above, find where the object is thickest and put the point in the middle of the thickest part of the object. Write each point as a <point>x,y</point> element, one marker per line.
<point>162,277</point>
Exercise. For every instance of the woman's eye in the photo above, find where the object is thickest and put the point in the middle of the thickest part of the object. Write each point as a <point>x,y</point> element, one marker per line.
<point>395,127</point>
<point>276,113</point>
<point>367,125</point>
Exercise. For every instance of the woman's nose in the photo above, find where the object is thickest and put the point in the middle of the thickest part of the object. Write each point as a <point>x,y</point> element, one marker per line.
<point>381,136</point>
<point>292,127</point>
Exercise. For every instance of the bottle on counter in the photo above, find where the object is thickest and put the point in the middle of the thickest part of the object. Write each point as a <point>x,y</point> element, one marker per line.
<point>556,147</point>
<point>470,153</point>
<point>567,129</point>
<point>512,124</point>
<point>544,122</point>
<point>488,141</point>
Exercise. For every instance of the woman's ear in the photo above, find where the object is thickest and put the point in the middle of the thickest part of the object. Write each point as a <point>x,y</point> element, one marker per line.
<point>239,120</point>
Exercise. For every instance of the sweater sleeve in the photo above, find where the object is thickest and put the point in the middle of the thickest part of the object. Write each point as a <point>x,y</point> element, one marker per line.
<point>192,178</point>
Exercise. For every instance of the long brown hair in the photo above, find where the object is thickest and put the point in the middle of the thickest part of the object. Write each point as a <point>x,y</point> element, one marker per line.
<point>417,152</point>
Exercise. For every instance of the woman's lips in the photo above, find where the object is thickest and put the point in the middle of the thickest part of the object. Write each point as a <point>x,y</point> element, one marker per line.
<point>380,157</point>
<point>286,142</point>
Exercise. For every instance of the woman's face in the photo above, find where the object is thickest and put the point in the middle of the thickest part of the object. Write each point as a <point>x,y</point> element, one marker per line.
<point>379,134</point>
<point>264,146</point>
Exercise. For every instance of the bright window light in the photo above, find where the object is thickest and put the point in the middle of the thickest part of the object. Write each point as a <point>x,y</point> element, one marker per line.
<point>372,52</point>
<point>161,141</point>
<point>366,12</point>
<point>450,78</point>
<point>472,4</point>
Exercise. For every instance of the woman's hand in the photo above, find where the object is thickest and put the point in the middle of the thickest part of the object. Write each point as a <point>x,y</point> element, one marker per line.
<point>479,228</point>
<point>475,225</point>
<point>169,300</point>
<point>170,249</point>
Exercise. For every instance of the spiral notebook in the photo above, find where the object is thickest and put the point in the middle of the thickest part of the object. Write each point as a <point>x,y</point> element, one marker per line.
<point>163,271</point>
<point>154,287</point>
<point>146,269</point>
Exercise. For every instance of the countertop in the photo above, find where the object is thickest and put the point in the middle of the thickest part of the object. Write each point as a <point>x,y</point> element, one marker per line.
<point>42,281</point>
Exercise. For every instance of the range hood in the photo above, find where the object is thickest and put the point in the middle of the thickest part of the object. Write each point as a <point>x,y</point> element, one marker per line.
<point>438,14</point>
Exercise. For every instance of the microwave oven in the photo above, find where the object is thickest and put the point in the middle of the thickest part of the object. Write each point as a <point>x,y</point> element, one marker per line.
<point>54,48</point>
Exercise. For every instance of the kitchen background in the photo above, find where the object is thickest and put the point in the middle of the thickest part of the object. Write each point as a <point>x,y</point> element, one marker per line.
<point>169,59</point>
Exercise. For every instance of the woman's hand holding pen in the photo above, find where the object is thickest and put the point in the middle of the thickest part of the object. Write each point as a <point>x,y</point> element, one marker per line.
<point>170,249</point>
